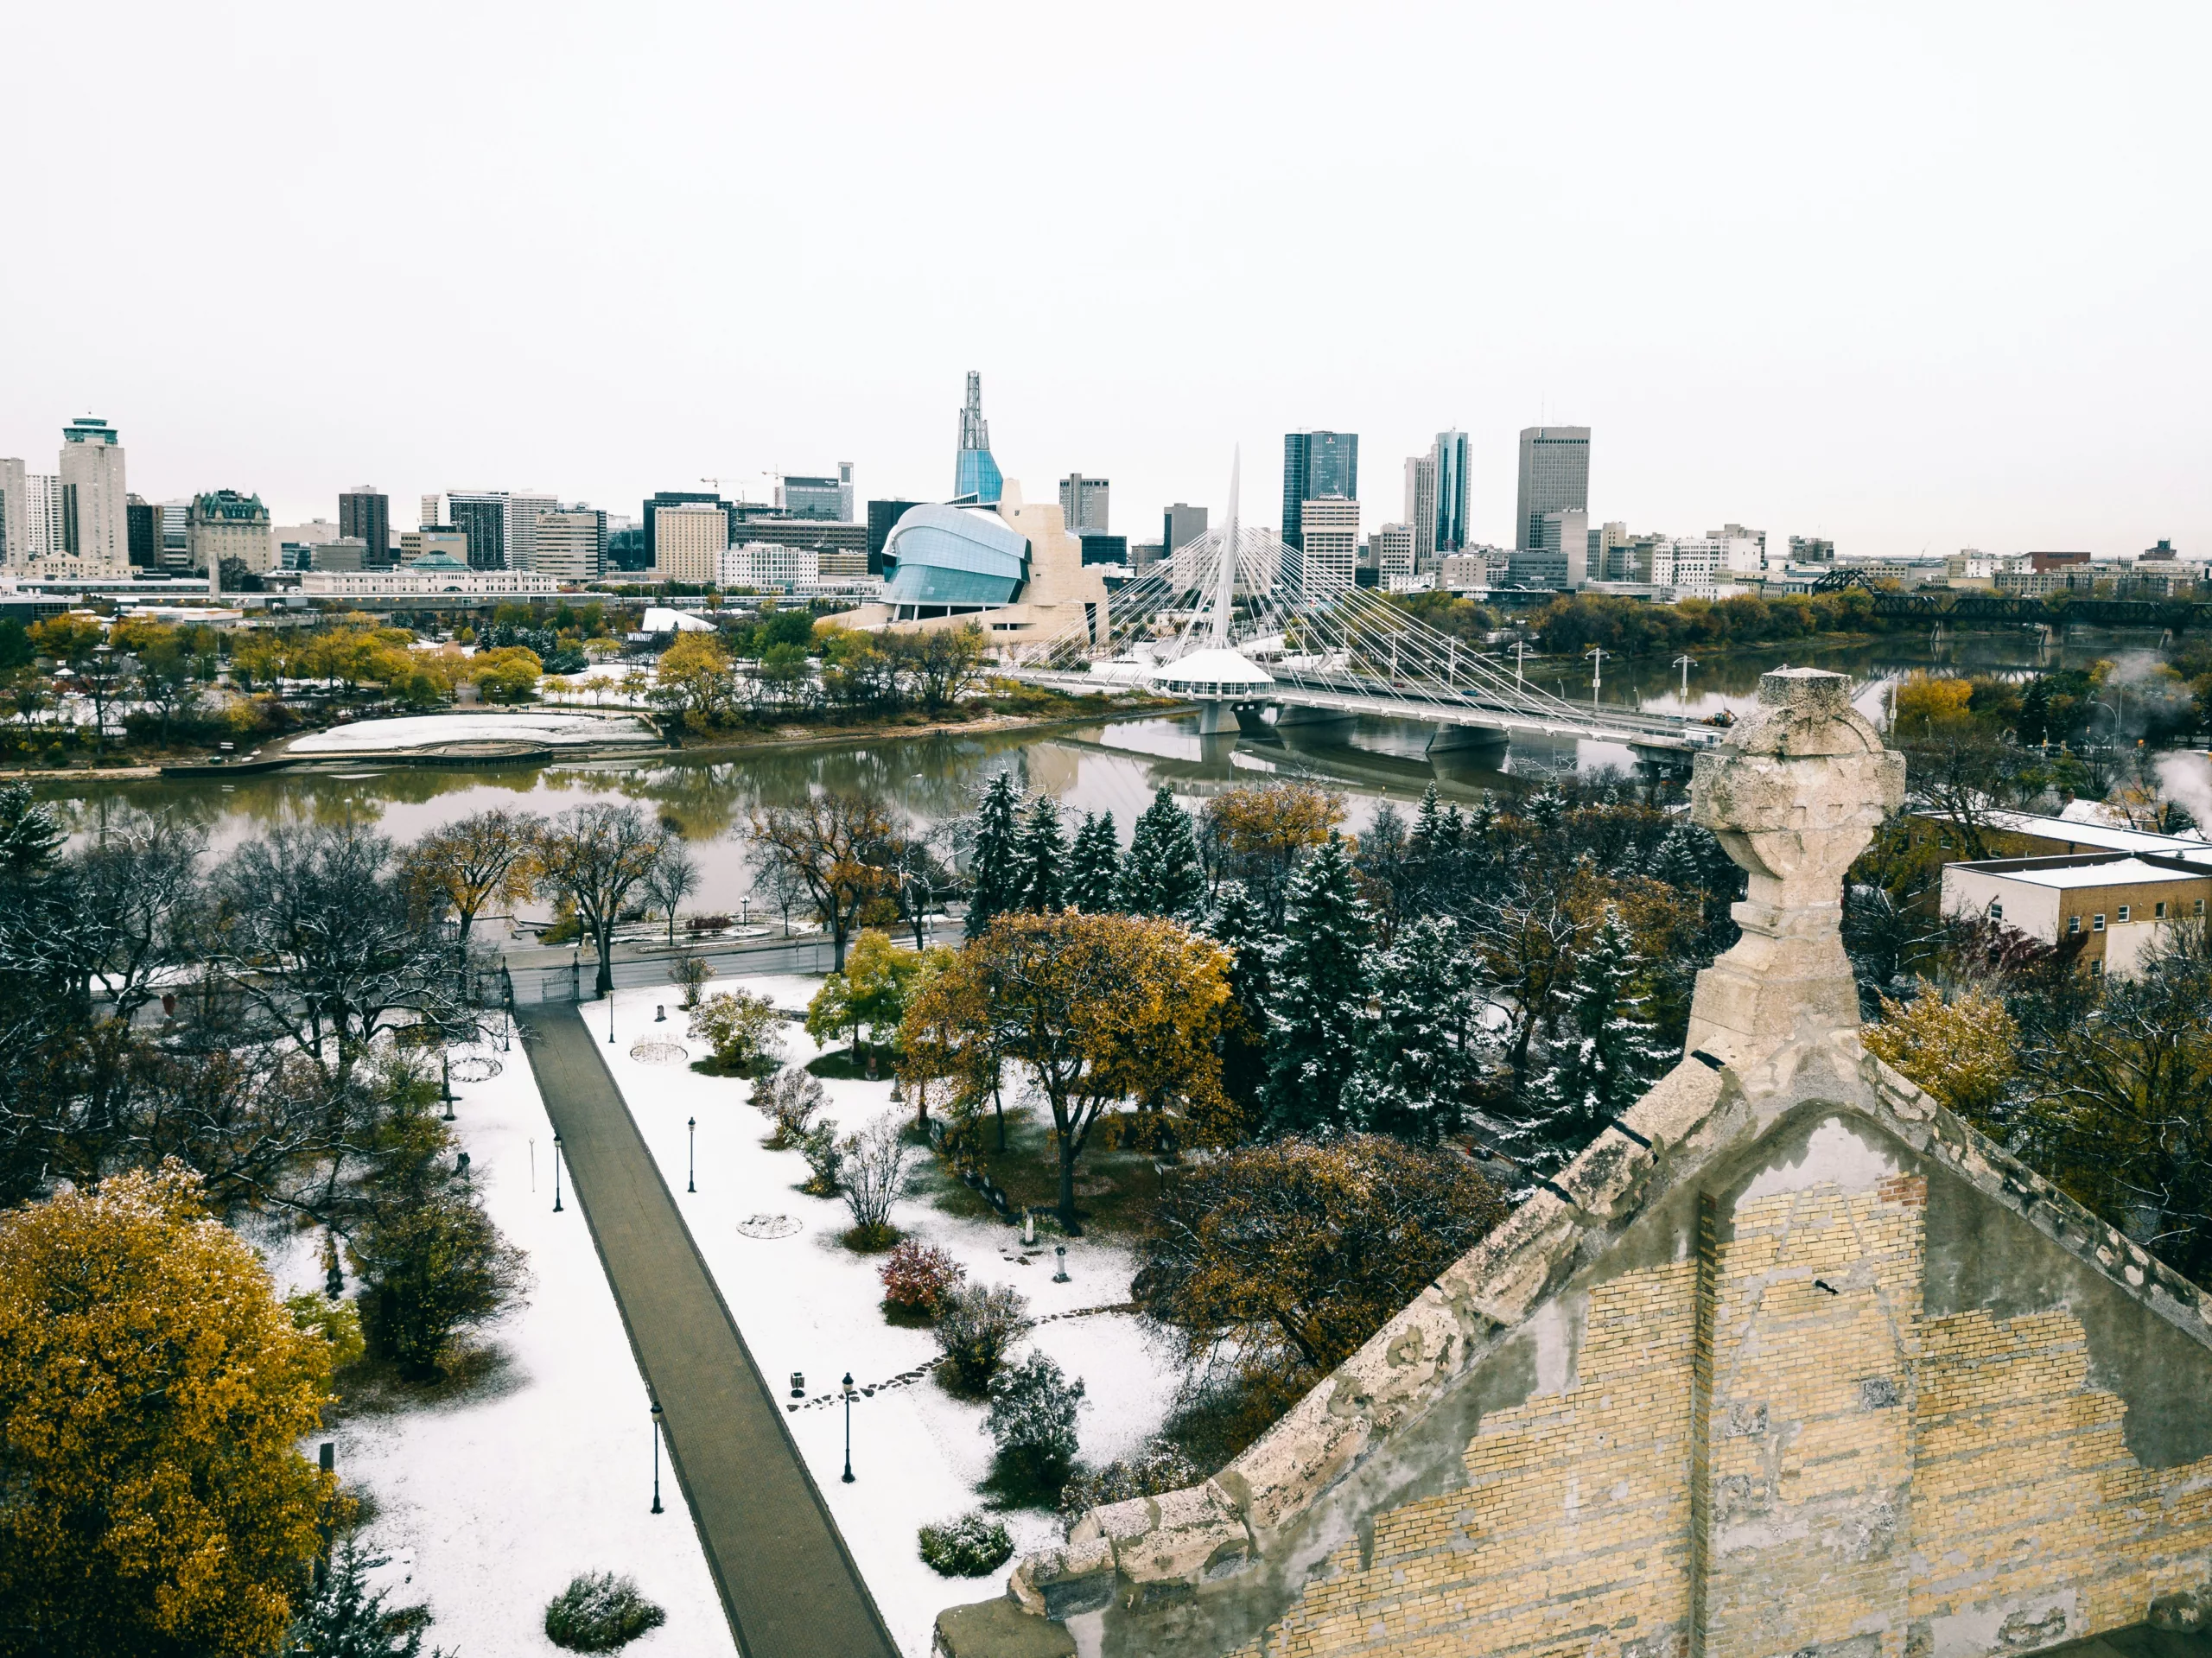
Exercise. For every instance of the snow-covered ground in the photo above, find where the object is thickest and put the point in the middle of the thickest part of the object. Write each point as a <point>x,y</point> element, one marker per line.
<point>425,731</point>
<point>488,1506</point>
<point>805,1303</point>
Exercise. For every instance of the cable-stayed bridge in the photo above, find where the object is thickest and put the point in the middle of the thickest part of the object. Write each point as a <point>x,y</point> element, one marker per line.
<point>1248,626</point>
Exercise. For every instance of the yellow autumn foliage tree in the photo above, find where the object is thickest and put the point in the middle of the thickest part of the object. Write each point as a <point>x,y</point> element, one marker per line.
<point>1097,1010</point>
<point>1961,1050</point>
<point>153,1392</point>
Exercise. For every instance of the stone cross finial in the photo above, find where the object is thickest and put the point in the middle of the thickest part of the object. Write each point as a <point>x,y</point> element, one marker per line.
<point>1795,794</point>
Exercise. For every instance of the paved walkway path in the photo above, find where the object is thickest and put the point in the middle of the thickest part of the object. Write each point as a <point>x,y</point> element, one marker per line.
<point>786,1581</point>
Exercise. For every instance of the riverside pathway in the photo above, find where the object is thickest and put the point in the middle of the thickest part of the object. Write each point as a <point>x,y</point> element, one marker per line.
<point>787,1583</point>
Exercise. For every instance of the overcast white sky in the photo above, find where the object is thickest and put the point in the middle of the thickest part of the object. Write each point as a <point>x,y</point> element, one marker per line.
<point>1902,275</point>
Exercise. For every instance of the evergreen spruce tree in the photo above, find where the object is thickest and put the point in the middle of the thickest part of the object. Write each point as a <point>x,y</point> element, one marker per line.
<point>1322,981</point>
<point>1237,925</point>
<point>343,1619</point>
<point>1163,875</point>
<point>1042,859</point>
<point>1605,1057</point>
<point>1094,864</point>
<point>1428,824</point>
<point>994,865</point>
<point>1428,1052</point>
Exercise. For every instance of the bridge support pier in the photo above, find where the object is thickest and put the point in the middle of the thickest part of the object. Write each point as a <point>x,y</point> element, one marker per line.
<point>1288,715</point>
<point>1216,718</point>
<point>1483,745</point>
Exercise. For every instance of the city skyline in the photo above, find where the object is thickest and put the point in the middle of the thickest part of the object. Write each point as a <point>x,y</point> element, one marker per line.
<point>1896,236</point>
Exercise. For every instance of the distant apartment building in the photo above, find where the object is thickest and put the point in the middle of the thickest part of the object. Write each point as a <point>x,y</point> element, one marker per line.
<point>688,541</point>
<point>570,543</point>
<point>366,513</point>
<point>341,553</point>
<point>647,517</point>
<point>1392,547</point>
<point>433,511</point>
<point>1099,548</point>
<point>1555,477</point>
<point>95,502</point>
<point>1559,554</point>
<point>1421,511</point>
<point>524,509</point>
<point>1329,527</point>
<point>764,566</point>
<point>1084,502</point>
<point>1475,569</point>
<point>1742,552</point>
<point>821,534</point>
<point>446,545</point>
<point>2111,907</point>
<point>882,516</point>
<point>223,526</point>
<point>313,533</point>
<point>1180,525</point>
<point>145,524</point>
<point>2055,560</point>
<point>1811,549</point>
<point>1316,465</point>
<point>482,515</point>
<point>818,496</point>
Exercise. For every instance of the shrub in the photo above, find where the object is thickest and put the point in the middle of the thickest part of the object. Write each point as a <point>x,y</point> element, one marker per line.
<point>966,1547</point>
<point>1033,1417</point>
<point>825,1157</point>
<point>431,1268</point>
<point>790,1096</point>
<point>343,1618</point>
<point>741,1027</point>
<point>1159,1468</point>
<point>919,1276</point>
<point>872,1170</point>
<point>975,1327</point>
<point>690,973</point>
<point>600,1612</point>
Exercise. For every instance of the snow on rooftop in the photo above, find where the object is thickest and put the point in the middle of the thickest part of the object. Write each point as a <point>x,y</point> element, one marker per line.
<point>2127,872</point>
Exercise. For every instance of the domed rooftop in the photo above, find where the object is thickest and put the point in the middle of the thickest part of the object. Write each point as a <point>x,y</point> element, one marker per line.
<point>1215,672</point>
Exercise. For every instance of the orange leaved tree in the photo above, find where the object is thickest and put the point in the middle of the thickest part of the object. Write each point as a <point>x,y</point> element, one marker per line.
<point>1096,1009</point>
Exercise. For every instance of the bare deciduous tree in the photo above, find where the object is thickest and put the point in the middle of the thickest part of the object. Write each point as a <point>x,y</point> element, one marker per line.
<point>596,857</point>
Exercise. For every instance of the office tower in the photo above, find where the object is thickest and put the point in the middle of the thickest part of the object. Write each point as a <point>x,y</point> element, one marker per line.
<point>1083,502</point>
<point>224,527</point>
<point>818,498</point>
<point>367,513</point>
<point>1100,548</point>
<point>1421,508</point>
<point>436,545</point>
<point>1180,525</point>
<point>1737,551</point>
<point>14,512</point>
<point>572,543</point>
<point>881,516</point>
<point>432,511</point>
<point>313,533</point>
<point>975,473</point>
<point>522,515</point>
<point>1554,477</point>
<point>1811,549</point>
<point>145,529</point>
<point>1393,547</point>
<point>176,543</point>
<point>647,521</point>
<point>690,540</point>
<point>482,515</point>
<point>95,522</point>
<point>1331,524</point>
<point>1316,465</point>
<point>1451,455</point>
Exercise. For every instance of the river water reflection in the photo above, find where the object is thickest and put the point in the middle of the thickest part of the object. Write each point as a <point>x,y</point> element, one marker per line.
<point>1108,767</point>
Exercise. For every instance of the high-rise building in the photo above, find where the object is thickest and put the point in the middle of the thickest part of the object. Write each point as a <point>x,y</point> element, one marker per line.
<point>881,516</point>
<point>1554,477</point>
<point>1100,548</point>
<point>482,515</point>
<point>1083,502</point>
<point>524,509</point>
<point>690,539</point>
<point>95,521</point>
<point>572,543</point>
<point>367,513</point>
<point>1811,549</point>
<point>975,474</point>
<point>1420,510</point>
<point>145,520</point>
<point>433,511</point>
<point>1560,557</point>
<point>1393,547</point>
<point>647,520</point>
<point>176,535</point>
<point>224,527</point>
<point>1450,453</point>
<point>1180,526</point>
<point>1316,465</point>
<point>14,512</point>
<point>1331,562</point>
<point>1738,551</point>
<point>818,498</point>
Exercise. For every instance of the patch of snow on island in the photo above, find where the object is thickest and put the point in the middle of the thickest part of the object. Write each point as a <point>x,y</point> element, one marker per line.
<point>436,730</point>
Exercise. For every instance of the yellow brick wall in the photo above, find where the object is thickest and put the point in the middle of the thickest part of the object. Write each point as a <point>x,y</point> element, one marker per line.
<point>1881,1484</point>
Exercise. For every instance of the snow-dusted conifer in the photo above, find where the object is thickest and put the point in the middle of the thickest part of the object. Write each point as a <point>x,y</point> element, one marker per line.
<point>1042,859</point>
<point>1605,1057</point>
<point>1429,1051</point>
<point>1318,1004</point>
<point>1094,864</point>
<point>995,866</point>
<point>1163,875</point>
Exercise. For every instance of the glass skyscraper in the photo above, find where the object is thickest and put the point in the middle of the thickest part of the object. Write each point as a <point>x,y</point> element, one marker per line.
<point>1450,452</point>
<point>1316,465</point>
<point>975,475</point>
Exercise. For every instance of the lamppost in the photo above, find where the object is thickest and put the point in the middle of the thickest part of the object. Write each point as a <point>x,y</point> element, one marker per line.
<point>610,1014</point>
<point>691,1173</point>
<point>1686,662</point>
<point>657,1421</point>
<point>849,1428</point>
<point>445,1078</point>
<point>556,1170</point>
<point>575,973</point>
<point>1597,655</point>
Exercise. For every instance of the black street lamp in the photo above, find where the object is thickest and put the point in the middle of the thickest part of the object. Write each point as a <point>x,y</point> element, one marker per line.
<point>556,1172</point>
<point>657,1421</point>
<point>849,1428</point>
<point>691,1173</point>
<point>610,1014</point>
<point>445,1078</point>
